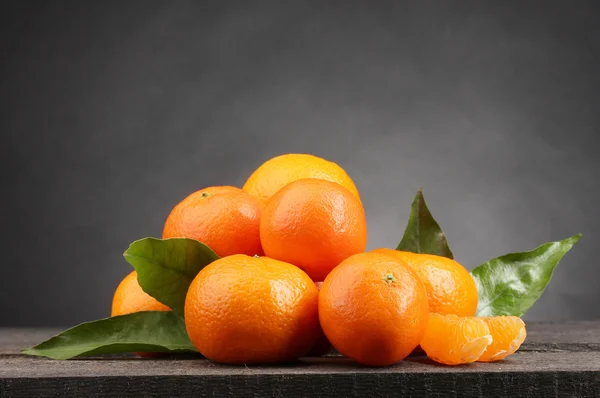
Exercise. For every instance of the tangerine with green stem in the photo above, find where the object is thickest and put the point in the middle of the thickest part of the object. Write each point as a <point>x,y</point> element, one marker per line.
<point>373,308</point>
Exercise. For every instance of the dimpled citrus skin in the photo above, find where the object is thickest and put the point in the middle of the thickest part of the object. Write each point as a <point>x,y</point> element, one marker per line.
<point>313,224</point>
<point>279,171</point>
<point>508,333</point>
<point>225,218</point>
<point>252,310</point>
<point>373,309</point>
<point>129,297</point>
<point>455,340</point>
<point>450,287</point>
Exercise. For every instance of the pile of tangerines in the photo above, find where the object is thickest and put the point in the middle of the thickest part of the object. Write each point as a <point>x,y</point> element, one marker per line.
<point>294,278</point>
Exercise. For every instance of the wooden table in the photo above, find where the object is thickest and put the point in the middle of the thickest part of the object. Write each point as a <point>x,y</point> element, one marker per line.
<point>557,359</point>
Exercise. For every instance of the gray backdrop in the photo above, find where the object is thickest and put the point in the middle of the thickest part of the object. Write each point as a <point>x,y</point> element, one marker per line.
<point>112,112</point>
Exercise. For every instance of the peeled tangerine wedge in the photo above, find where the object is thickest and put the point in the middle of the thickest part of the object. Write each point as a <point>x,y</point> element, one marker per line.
<point>455,340</point>
<point>508,333</point>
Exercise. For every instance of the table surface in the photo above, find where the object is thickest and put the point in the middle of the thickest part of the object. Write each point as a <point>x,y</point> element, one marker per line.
<point>556,359</point>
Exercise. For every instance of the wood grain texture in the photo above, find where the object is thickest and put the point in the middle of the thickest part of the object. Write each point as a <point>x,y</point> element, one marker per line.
<point>558,359</point>
<point>579,336</point>
<point>32,367</point>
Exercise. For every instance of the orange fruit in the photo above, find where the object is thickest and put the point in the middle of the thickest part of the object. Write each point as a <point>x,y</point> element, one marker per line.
<point>313,224</point>
<point>455,340</point>
<point>129,297</point>
<point>254,310</point>
<point>450,287</point>
<point>373,308</point>
<point>225,218</point>
<point>508,333</point>
<point>279,171</point>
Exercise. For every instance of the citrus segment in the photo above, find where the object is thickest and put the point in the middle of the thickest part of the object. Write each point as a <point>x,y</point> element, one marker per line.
<point>454,340</point>
<point>508,333</point>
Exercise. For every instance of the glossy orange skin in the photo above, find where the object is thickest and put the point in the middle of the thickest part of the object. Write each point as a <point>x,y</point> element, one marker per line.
<point>508,333</point>
<point>450,287</point>
<point>252,310</point>
<point>279,171</point>
<point>455,340</point>
<point>129,298</point>
<point>313,224</point>
<point>225,218</point>
<point>373,309</point>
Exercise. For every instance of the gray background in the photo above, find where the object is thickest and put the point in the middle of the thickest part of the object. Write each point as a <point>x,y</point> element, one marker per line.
<point>112,112</point>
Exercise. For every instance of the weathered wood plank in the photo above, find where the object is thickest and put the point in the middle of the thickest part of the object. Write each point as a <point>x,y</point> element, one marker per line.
<point>525,374</point>
<point>558,359</point>
<point>21,366</point>
<point>580,336</point>
<point>347,385</point>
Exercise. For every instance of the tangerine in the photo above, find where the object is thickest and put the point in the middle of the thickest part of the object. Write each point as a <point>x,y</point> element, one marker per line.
<point>226,219</point>
<point>254,310</point>
<point>281,170</point>
<point>373,308</point>
<point>129,298</point>
<point>313,224</point>
<point>450,287</point>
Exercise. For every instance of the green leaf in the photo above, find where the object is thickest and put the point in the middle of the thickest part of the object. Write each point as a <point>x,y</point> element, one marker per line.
<point>510,284</point>
<point>423,234</point>
<point>149,331</point>
<point>166,267</point>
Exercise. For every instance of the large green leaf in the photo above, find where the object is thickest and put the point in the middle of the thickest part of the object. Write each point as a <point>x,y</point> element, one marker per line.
<point>166,267</point>
<point>149,331</point>
<point>423,234</point>
<point>510,284</point>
